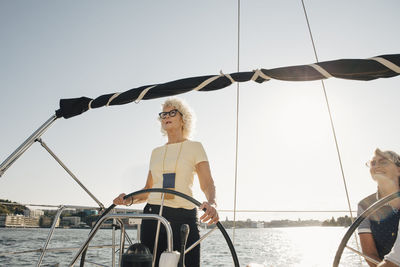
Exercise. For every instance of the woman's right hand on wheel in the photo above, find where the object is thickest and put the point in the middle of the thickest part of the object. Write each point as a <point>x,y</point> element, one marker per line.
<point>121,201</point>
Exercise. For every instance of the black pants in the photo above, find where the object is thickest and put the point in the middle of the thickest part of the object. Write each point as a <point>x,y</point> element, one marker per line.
<point>176,217</point>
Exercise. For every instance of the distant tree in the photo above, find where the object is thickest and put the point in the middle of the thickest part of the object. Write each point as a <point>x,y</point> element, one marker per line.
<point>46,221</point>
<point>344,221</point>
<point>3,209</point>
<point>11,209</point>
<point>341,221</point>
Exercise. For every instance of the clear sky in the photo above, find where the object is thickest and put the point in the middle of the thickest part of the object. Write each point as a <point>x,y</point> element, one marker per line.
<point>287,157</point>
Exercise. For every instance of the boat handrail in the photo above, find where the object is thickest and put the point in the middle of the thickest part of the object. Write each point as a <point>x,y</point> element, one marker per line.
<point>49,236</point>
<point>58,249</point>
<point>26,144</point>
<point>67,206</point>
<point>60,209</point>
<point>123,216</point>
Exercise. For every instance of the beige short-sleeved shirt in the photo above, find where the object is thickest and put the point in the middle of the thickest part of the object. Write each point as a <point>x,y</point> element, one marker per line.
<point>191,153</point>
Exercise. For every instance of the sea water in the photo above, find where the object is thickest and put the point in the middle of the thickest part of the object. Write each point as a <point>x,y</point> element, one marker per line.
<point>277,247</point>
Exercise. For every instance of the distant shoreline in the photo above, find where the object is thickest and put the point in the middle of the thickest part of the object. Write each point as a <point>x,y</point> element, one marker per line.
<point>134,228</point>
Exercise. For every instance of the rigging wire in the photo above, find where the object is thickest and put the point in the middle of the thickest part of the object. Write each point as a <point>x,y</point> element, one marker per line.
<point>330,115</point>
<point>237,122</point>
<point>330,118</point>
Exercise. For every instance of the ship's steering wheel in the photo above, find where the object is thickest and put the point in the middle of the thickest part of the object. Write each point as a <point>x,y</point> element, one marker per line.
<point>197,203</point>
<point>373,208</point>
<point>194,201</point>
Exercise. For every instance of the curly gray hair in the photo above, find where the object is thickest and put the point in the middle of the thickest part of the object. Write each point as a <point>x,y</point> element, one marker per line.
<point>390,155</point>
<point>188,116</point>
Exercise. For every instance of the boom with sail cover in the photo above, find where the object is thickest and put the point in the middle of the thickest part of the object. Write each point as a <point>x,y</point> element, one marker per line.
<point>384,66</point>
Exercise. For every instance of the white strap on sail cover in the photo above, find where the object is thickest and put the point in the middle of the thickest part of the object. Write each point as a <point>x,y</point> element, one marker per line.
<point>112,98</point>
<point>387,64</point>
<point>321,70</point>
<point>259,73</point>
<point>227,76</point>
<point>108,102</point>
<point>211,79</point>
<point>197,88</point>
<point>205,83</point>
<point>90,104</point>
<point>143,93</point>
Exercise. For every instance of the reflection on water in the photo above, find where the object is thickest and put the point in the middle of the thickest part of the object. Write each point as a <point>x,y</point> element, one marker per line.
<point>278,247</point>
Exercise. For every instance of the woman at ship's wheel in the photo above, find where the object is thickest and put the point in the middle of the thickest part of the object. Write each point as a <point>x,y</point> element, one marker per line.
<point>379,214</point>
<point>378,232</point>
<point>172,166</point>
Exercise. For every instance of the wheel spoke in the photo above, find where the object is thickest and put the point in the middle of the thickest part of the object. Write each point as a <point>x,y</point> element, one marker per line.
<point>370,210</point>
<point>201,239</point>
<point>363,255</point>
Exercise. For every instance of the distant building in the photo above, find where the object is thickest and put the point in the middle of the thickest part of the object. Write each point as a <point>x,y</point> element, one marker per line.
<point>91,212</point>
<point>257,224</point>
<point>71,221</point>
<point>18,221</point>
<point>33,213</point>
<point>83,225</point>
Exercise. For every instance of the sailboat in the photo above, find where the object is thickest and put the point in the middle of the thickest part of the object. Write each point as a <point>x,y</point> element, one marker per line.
<point>385,63</point>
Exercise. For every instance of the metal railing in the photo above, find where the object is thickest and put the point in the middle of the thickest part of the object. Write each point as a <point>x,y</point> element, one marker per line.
<point>61,208</point>
<point>26,144</point>
<point>121,216</point>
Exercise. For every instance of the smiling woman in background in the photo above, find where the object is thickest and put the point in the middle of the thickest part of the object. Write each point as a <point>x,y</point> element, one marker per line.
<point>173,166</point>
<point>378,232</point>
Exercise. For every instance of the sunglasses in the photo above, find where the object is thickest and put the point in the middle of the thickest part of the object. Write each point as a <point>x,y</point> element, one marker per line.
<point>171,113</point>
<point>375,163</point>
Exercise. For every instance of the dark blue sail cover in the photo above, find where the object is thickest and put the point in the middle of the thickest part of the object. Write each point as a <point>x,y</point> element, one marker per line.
<point>384,66</point>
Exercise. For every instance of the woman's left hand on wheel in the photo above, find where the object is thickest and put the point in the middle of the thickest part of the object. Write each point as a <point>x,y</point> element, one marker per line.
<point>210,214</point>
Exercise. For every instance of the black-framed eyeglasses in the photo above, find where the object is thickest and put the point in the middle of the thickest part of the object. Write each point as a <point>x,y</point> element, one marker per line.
<point>171,113</point>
